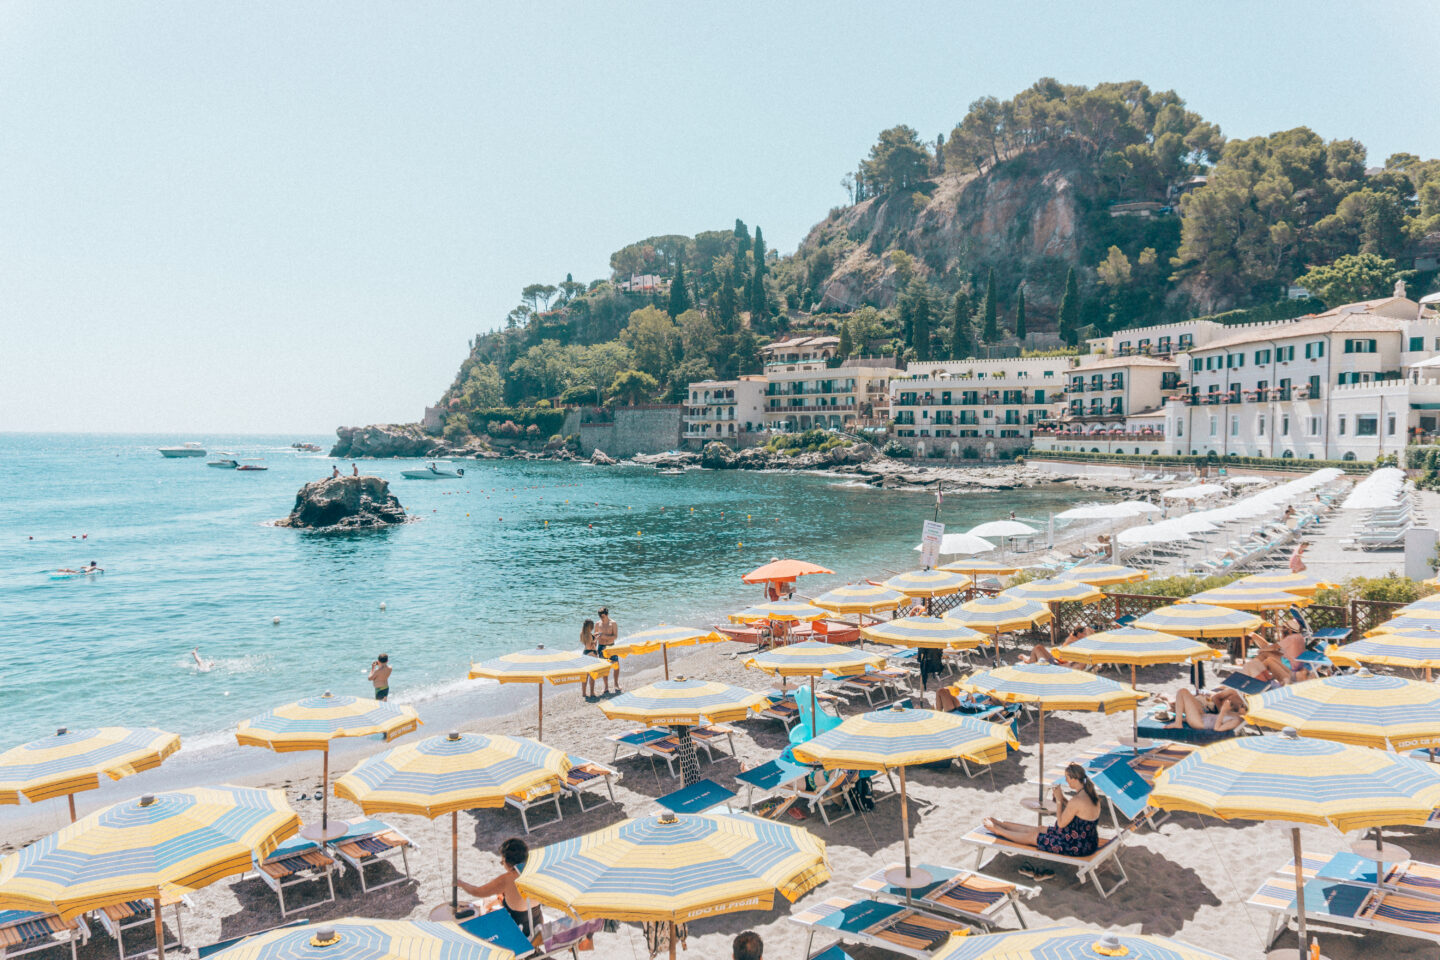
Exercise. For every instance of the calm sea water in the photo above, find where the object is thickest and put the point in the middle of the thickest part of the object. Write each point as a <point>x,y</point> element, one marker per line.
<point>511,555</point>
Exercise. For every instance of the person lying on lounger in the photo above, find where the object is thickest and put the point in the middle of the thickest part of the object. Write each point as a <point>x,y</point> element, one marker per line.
<point>1219,712</point>
<point>1039,653</point>
<point>1277,661</point>
<point>1074,833</point>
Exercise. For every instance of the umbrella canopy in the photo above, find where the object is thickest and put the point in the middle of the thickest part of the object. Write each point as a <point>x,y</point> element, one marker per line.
<point>1198,620</point>
<point>1361,709</point>
<point>1002,528</point>
<point>1069,943</point>
<point>1425,606</point>
<point>1054,590</point>
<point>887,739</point>
<point>780,571</point>
<point>976,568</point>
<point>1421,624</point>
<point>860,598</point>
<point>812,658</point>
<point>1199,492</point>
<point>311,724</point>
<point>952,544</point>
<point>1417,648</point>
<point>661,638</point>
<point>1135,647</point>
<point>1162,532</point>
<point>1301,780</point>
<point>354,938</point>
<point>1101,574</point>
<point>540,665</point>
<point>458,771</point>
<point>682,702</point>
<point>145,849</point>
<point>1052,687</point>
<point>1252,597</point>
<point>1000,614</point>
<point>788,611</point>
<point>936,632</point>
<point>676,868</point>
<point>72,761</point>
<point>1304,583</point>
<point>1108,511</point>
<point>928,583</point>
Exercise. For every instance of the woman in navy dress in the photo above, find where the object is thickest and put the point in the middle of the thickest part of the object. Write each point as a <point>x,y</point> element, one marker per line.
<point>1074,833</point>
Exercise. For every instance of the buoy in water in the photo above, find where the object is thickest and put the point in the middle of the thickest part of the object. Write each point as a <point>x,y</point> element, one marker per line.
<point>739,546</point>
<point>382,605</point>
<point>276,621</point>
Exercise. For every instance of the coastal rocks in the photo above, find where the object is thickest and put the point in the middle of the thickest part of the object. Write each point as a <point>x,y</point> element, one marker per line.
<point>602,459</point>
<point>386,440</point>
<point>718,456</point>
<point>345,503</point>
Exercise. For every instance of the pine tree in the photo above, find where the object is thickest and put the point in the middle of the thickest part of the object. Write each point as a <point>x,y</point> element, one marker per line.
<point>1070,310</point>
<point>990,333</point>
<point>1020,315</point>
<point>679,296</point>
<point>847,346</point>
<point>962,340</point>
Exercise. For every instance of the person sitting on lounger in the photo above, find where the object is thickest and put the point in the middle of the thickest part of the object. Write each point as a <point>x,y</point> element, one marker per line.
<point>1219,713</point>
<point>945,701</point>
<point>1039,652</point>
<point>1277,661</point>
<point>524,911</point>
<point>1074,833</point>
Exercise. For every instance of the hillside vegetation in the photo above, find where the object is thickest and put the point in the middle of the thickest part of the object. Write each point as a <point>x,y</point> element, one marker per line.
<point>1062,212</point>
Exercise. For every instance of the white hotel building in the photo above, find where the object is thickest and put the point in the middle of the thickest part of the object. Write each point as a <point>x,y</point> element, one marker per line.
<point>987,405</point>
<point>724,409</point>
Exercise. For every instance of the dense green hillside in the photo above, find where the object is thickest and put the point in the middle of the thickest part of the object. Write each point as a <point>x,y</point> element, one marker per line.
<point>1037,220</point>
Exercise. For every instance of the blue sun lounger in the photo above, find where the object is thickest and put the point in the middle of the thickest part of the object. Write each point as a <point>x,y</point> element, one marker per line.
<point>886,926</point>
<point>25,931</point>
<point>1355,903</point>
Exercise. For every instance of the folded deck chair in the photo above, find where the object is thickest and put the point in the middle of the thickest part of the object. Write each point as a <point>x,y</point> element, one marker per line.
<point>25,931</point>
<point>988,846</point>
<point>586,776</point>
<point>136,914</point>
<point>538,796</point>
<point>886,926</point>
<point>953,891</point>
<point>697,798</point>
<point>370,842</point>
<point>297,862</point>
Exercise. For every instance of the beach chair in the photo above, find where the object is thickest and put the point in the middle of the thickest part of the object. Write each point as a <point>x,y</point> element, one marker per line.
<point>988,846</point>
<point>25,931</point>
<point>1151,728</point>
<point>566,935</point>
<point>783,708</point>
<point>886,926</point>
<point>584,776</point>
<point>697,798</point>
<point>297,862</point>
<point>832,786</point>
<point>711,736</point>
<point>370,842</point>
<point>135,914</point>
<point>540,795</point>
<point>953,891</point>
<point>204,951</point>
<point>771,777</point>
<point>1346,903</point>
<point>633,741</point>
<point>667,748</point>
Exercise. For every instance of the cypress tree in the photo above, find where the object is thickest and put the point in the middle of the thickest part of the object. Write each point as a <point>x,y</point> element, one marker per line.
<point>962,341</point>
<point>679,296</point>
<point>1070,310</point>
<point>920,326</point>
<point>990,333</point>
<point>726,308</point>
<point>847,346</point>
<point>758,306</point>
<point>1020,315</point>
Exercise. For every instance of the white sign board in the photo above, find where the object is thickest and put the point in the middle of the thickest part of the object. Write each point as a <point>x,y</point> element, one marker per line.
<point>930,538</point>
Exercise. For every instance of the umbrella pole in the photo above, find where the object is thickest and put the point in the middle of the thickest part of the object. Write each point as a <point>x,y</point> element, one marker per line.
<point>814,709</point>
<point>325,793</point>
<point>905,831</point>
<point>540,716</point>
<point>455,862</point>
<point>672,940</point>
<point>71,798</point>
<point>1299,887</point>
<point>1040,807</point>
<point>159,930</point>
<point>665,657</point>
<point>1134,715</point>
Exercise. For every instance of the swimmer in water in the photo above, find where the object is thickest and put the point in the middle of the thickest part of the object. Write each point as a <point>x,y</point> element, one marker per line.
<point>200,662</point>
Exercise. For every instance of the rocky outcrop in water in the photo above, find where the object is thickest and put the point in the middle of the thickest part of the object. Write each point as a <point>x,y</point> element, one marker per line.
<point>601,458</point>
<point>718,456</point>
<point>386,440</point>
<point>345,503</point>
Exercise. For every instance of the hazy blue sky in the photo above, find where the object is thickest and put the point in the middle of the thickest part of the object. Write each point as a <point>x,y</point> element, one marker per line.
<point>287,216</point>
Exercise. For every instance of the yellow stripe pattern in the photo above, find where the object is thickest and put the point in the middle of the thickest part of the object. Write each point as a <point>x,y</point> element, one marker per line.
<point>813,658</point>
<point>74,760</point>
<point>1052,687</point>
<point>683,702</point>
<point>539,665</point>
<point>886,739</point>
<point>311,724</point>
<point>648,641</point>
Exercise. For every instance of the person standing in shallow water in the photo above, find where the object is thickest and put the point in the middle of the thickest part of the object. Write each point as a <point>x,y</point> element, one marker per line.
<point>606,632</point>
<point>380,676</point>
<point>591,643</point>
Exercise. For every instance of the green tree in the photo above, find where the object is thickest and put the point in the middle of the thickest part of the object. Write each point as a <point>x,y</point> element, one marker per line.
<point>482,387</point>
<point>580,395</point>
<point>1115,270</point>
<point>538,296</point>
<point>847,345</point>
<point>697,334</point>
<point>920,322</point>
<point>691,370</point>
<point>990,329</point>
<point>897,161</point>
<point>633,386</point>
<point>1070,310</point>
<point>962,334</point>
<point>652,337</point>
<point>746,358</point>
<point>1020,332</point>
<point>1361,276</point>
<point>759,305</point>
<point>679,296</point>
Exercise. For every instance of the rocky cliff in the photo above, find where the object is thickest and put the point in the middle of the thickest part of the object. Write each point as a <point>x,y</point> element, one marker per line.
<point>345,503</point>
<point>386,440</point>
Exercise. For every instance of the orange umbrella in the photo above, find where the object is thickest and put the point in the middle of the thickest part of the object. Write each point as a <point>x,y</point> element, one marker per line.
<point>782,571</point>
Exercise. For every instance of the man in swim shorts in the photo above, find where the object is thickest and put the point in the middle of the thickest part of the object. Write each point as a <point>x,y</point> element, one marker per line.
<point>380,676</point>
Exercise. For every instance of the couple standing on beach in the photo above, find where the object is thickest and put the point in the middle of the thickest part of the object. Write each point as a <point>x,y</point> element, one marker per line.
<point>596,639</point>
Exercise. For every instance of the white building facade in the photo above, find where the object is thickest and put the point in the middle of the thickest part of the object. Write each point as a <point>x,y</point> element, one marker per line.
<point>982,405</point>
<point>724,409</point>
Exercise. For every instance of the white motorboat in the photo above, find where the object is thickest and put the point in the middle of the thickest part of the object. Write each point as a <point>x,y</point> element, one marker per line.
<point>223,464</point>
<point>434,471</point>
<point>189,449</point>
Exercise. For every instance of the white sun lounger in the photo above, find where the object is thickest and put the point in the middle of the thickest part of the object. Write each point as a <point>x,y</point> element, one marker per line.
<point>545,794</point>
<point>953,891</point>
<point>369,842</point>
<point>886,926</point>
<point>1354,904</point>
<point>297,862</point>
<point>1086,868</point>
<point>135,914</point>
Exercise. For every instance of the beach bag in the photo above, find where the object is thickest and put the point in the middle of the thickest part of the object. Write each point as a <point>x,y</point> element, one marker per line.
<point>861,796</point>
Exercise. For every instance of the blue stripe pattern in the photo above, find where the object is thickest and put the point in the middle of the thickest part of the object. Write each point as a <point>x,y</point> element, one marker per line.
<point>1401,776</point>
<point>366,940</point>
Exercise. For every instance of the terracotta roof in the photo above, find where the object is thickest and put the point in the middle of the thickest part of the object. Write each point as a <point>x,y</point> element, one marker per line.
<point>1307,327</point>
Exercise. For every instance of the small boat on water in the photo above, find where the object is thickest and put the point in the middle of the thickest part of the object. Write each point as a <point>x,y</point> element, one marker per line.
<point>434,471</point>
<point>189,449</point>
<point>251,466</point>
<point>308,447</point>
<point>223,464</point>
<point>670,471</point>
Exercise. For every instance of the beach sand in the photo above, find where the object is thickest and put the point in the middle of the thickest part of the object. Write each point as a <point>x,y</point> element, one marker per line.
<point>1189,879</point>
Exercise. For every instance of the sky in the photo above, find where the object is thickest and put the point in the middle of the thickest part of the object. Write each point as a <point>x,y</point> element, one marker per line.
<point>288,216</point>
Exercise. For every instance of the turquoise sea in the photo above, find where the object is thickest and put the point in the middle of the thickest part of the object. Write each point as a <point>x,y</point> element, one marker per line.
<point>511,555</point>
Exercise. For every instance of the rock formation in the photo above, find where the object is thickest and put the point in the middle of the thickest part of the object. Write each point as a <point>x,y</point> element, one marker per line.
<point>386,440</point>
<point>601,458</point>
<point>345,503</point>
<point>718,456</point>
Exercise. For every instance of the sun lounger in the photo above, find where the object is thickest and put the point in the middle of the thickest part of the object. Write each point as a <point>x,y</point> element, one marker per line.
<point>1346,903</point>
<point>369,842</point>
<point>541,795</point>
<point>558,936</point>
<point>1150,728</point>
<point>770,777</point>
<point>584,776</point>
<point>1085,868</point>
<point>882,685</point>
<point>953,891</point>
<point>711,736</point>
<point>782,708</point>
<point>297,862</point>
<point>833,952</point>
<point>704,739</point>
<point>119,917</point>
<point>25,931</point>
<point>831,786</point>
<point>886,926</point>
<point>697,798</point>
<point>632,742</point>
<point>499,929</point>
<point>209,948</point>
